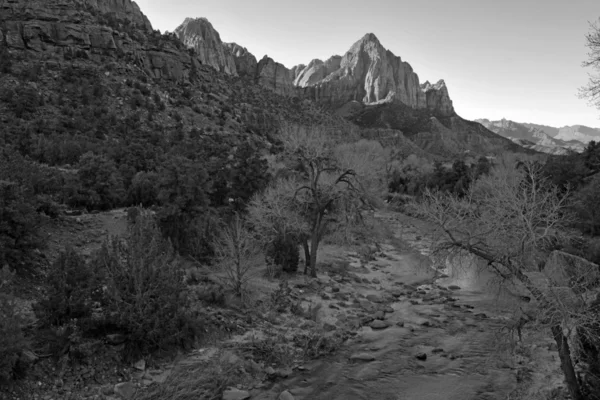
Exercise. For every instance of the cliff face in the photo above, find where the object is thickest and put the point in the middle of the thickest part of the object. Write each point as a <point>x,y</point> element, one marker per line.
<point>274,76</point>
<point>200,35</point>
<point>437,97</point>
<point>94,29</point>
<point>370,74</point>
<point>245,62</point>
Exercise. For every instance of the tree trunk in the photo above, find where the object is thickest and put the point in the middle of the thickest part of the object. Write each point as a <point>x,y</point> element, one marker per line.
<point>306,256</point>
<point>314,244</point>
<point>566,363</point>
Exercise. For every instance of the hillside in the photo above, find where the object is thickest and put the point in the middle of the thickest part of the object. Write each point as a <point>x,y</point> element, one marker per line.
<point>529,136</point>
<point>543,138</point>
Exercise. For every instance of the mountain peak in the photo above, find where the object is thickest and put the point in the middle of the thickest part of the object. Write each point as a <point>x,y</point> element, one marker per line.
<point>369,37</point>
<point>200,35</point>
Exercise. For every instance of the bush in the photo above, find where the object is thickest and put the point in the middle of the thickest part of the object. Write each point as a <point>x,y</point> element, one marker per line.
<point>19,224</point>
<point>101,182</point>
<point>145,296</point>
<point>68,293</point>
<point>283,251</point>
<point>12,340</point>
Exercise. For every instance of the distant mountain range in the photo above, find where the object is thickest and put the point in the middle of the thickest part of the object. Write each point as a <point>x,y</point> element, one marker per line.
<point>543,138</point>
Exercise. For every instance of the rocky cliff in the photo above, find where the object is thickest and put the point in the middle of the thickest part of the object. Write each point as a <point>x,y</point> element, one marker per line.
<point>274,76</point>
<point>245,62</point>
<point>370,74</point>
<point>199,34</point>
<point>94,30</point>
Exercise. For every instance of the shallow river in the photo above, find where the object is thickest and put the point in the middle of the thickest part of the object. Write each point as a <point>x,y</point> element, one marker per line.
<point>461,341</point>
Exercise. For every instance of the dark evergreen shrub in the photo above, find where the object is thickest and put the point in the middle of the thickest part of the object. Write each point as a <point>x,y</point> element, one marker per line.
<point>145,294</point>
<point>284,252</point>
<point>12,340</point>
<point>68,292</point>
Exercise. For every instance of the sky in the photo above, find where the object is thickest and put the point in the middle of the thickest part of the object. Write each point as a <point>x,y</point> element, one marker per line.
<point>514,59</point>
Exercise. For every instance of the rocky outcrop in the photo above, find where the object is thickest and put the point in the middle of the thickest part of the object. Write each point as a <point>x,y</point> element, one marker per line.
<point>437,97</point>
<point>245,62</point>
<point>274,76</point>
<point>580,133</point>
<point>370,74</point>
<point>530,136</point>
<point>316,71</point>
<point>93,29</point>
<point>199,34</point>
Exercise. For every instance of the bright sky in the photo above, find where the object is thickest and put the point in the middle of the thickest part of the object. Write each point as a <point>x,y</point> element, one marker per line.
<point>514,59</point>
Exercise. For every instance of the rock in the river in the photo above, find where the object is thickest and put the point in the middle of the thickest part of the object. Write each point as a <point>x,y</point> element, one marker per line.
<point>421,356</point>
<point>362,357</point>
<point>125,390</point>
<point>285,395</point>
<point>379,324</point>
<point>235,394</point>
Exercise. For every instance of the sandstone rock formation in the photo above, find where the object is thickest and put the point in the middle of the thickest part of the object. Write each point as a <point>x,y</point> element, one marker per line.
<point>274,76</point>
<point>316,71</point>
<point>370,74</point>
<point>199,34</point>
<point>437,97</point>
<point>93,29</point>
<point>245,62</point>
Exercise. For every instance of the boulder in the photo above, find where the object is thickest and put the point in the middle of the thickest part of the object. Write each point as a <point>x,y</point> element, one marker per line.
<point>125,390</point>
<point>285,395</point>
<point>379,324</point>
<point>235,394</point>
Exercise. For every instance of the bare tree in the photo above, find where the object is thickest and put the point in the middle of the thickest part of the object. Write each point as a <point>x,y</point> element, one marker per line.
<point>513,219</point>
<point>592,90</point>
<point>320,191</point>
<point>238,255</point>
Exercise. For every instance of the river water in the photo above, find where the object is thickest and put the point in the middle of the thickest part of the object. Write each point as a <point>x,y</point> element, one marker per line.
<point>462,341</point>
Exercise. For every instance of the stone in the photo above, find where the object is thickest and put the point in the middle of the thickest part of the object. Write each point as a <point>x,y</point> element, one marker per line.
<point>454,287</point>
<point>329,327</point>
<point>400,324</point>
<point>421,356</point>
<point>379,324</point>
<point>125,390</point>
<point>362,357</point>
<point>115,338</point>
<point>235,394</point>
<point>140,365</point>
<point>285,395</point>
<point>379,315</point>
<point>283,372</point>
<point>374,298</point>
<point>437,350</point>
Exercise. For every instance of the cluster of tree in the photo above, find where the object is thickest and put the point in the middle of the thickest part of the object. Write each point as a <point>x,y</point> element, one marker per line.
<point>514,221</point>
<point>579,175</point>
<point>413,175</point>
